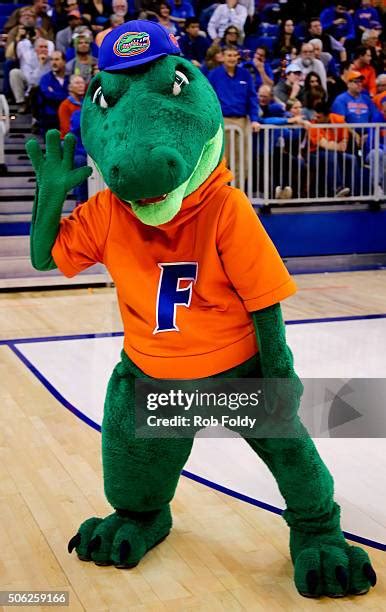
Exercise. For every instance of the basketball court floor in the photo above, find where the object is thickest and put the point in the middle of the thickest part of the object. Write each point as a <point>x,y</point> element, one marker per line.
<point>229,547</point>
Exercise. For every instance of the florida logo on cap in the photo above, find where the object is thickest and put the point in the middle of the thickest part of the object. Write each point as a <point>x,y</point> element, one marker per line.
<point>132,43</point>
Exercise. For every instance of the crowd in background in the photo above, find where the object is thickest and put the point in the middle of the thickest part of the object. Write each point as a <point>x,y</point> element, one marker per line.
<point>286,63</point>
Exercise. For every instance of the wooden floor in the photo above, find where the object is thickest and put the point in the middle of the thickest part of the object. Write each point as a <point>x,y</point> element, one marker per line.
<point>222,554</point>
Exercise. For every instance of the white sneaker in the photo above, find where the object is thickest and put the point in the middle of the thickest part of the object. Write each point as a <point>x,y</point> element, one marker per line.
<point>286,193</point>
<point>342,192</point>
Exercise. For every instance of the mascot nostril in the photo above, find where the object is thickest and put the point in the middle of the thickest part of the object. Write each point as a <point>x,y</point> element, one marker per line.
<point>199,285</point>
<point>168,162</point>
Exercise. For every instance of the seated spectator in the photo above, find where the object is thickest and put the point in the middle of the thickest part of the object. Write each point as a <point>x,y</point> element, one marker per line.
<point>286,40</point>
<point>365,15</point>
<point>80,155</point>
<point>163,17</point>
<point>268,108</point>
<point>61,10</point>
<point>114,22</point>
<point>296,113</point>
<point>95,13</point>
<point>380,184</point>
<point>326,58</point>
<point>230,13</point>
<point>381,91</point>
<point>121,8</point>
<point>42,20</point>
<point>84,63</point>
<point>77,89</point>
<point>329,158</point>
<point>308,63</point>
<point>64,37</point>
<point>330,44</point>
<point>53,89</point>
<point>259,68</point>
<point>180,11</point>
<point>370,40</point>
<point>339,23</point>
<point>232,36</point>
<point>193,46</point>
<point>33,55</point>
<point>279,66</point>
<point>313,94</point>
<point>236,93</point>
<point>362,64</point>
<point>290,88</point>
<point>4,129</point>
<point>213,59</point>
<point>354,106</point>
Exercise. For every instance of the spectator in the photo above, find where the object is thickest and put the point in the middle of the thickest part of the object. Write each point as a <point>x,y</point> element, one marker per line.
<point>213,59</point>
<point>64,37</point>
<point>381,91</point>
<point>53,88</point>
<point>339,23</point>
<point>115,21</point>
<point>72,103</point>
<point>80,155</point>
<point>330,44</point>
<point>362,64</point>
<point>365,15</point>
<point>290,88</point>
<point>95,13</point>
<point>326,58</point>
<point>163,17</point>
<point>313,93</point>
<point>236,93</point>
<point>230,13</point>
<point>61,10</point>
<point>268,108</point>
<point>259,68</point>
<point>4,129</point>
<point>295,113</point>
<point>180,11</point>
<point>329,158</point>
<point>380,185</point>
<point>370,40</point>
<point>354,106</point>
<point>33,55</point>
<point>121,8</point>
<point>232,36</point>
<point>287,40</point>
<point>250,6</point>
<point>42,21</point>
<point>84,63</point>
<point>192,44</point>
<point>308,63</point>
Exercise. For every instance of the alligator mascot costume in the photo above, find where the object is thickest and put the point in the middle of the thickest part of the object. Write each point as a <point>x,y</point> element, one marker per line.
<point>199,284</point>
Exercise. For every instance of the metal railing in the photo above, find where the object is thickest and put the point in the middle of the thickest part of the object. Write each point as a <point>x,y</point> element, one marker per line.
<point>290,164</point>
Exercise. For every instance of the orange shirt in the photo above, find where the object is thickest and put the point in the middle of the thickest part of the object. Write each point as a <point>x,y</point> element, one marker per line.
<point>65,111</point>
<point>185,288</point>
<point>316,134</point>
<point>378,99</point>
<point>370,76</point>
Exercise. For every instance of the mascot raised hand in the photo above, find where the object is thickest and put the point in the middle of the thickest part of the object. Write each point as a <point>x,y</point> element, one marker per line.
<point>153,126</point>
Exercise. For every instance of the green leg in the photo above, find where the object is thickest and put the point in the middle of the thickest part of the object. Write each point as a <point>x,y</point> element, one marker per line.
<point>140,479</point>
<point>324,562</point>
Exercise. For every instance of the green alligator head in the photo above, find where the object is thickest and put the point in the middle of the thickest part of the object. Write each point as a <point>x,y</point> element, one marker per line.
<point>155,132</point>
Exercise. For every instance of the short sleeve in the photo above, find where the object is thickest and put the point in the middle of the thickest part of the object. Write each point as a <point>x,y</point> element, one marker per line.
<point>82,236</point>
<point>250,259</point>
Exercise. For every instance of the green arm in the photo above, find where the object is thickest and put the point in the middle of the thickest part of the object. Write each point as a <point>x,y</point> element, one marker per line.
<point>55,177</point>
<point>277,360</point>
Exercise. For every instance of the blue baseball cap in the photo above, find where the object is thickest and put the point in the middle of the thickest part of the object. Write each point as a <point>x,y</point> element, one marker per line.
<point>134,43</point>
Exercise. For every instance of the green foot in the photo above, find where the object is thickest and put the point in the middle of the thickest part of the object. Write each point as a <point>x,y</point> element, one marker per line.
<point>325,564</point>
<point>121,539</point>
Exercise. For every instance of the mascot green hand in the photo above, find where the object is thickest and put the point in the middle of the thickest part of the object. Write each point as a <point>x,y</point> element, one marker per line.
<point>199,284</point>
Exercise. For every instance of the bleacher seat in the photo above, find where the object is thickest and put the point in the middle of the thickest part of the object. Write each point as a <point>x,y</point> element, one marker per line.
<point>8,8</point>
<point>253,41</point>
<point>268,29</point>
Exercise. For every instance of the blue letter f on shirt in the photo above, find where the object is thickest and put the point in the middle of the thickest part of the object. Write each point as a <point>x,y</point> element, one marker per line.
<point>170,295</point>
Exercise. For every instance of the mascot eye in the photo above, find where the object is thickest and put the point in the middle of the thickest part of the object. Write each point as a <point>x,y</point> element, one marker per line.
<point>180,81</point>
<point>98,98</point>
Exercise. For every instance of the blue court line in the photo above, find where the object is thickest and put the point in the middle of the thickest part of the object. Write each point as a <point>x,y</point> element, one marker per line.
<point>208,483</point>
<point>10,341</point>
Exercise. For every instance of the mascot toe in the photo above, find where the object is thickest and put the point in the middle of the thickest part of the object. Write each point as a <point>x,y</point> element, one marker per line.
<point>199,285</point>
